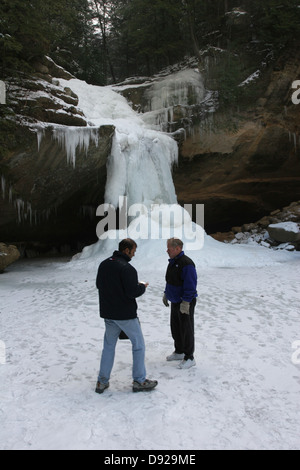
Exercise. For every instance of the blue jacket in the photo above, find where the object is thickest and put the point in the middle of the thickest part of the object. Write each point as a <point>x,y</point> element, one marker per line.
<point>181,278</point>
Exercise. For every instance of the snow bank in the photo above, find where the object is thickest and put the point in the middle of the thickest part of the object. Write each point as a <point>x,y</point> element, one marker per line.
<point>151,254</point>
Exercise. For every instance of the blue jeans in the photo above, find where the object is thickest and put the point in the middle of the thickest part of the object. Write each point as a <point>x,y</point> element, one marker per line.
<point>132,329</point>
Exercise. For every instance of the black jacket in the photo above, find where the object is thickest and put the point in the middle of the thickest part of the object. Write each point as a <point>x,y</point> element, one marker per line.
<point>118,286</point>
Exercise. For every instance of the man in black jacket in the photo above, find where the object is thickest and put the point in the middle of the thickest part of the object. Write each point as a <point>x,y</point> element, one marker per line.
<point>119,287</point>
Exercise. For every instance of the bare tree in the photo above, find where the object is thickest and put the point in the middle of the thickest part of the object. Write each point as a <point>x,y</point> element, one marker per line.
<point>102,9</point>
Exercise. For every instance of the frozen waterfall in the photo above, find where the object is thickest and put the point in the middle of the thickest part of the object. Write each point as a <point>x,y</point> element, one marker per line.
<point>139,167</point>
<point>141,160</point>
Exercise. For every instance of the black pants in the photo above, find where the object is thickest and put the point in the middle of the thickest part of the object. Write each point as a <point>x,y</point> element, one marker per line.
<point>182,329</point>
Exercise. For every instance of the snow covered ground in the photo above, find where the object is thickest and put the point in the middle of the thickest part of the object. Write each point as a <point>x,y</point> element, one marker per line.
<point>243,394</point>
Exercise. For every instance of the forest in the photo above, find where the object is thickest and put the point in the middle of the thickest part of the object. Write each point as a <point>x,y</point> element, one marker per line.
<point>104,42</point>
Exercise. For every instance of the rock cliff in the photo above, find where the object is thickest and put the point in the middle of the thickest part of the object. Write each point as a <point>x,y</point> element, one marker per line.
<point>242,164</point>
<point>244,174</point>
<point>46,198</point>
<point>8,255</point>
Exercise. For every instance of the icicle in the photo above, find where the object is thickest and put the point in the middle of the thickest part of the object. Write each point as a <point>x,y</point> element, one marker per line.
<point>40,136</point>
<point>29,212</point>
<point>171,114</point>
<point>70,138</point>
<point>88,212</point>
<point>10,195</point>
<point>20,208</point>
<point>3,184</point>
<point>180,89</point>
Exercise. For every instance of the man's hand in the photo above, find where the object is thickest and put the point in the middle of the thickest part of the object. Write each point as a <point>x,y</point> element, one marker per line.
<point>146,284</point>
<point>185,307</point>
<point>165,301</point>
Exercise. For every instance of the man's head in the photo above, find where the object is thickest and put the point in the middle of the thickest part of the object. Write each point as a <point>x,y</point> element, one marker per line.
<point>175,246</point>
<point>128,246</point>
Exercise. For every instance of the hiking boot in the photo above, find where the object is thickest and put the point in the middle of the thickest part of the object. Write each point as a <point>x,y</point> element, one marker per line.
<point>175,357</point>
<point>146,386</point>
<point>187,364</point>
<point>101,387</point>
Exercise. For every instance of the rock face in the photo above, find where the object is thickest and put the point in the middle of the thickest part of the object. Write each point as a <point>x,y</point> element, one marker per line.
<point>285,232</point>
<point>52,165</point>
<point>243,174</point>
<point>259,171</point>
<point>47,196</point>
<point>8,255</point>
<point>240,174</point>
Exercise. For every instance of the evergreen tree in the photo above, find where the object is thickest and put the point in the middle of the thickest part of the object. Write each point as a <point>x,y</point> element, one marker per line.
<point>31,29</point>
<point>150,34</point>
<point>276,22</point>
<point>22,34</point>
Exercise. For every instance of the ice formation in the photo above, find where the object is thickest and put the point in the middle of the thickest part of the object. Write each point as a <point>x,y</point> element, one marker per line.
<point>141,160</point>
<point>185,89</point>
<point>140,165</point>
<point>182,88</point>
<point>73,138</point>
<point>140,168</point>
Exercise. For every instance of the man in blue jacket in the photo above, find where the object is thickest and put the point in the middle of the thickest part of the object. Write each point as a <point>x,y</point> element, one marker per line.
<point>181,291</point>
<point>118,286</point>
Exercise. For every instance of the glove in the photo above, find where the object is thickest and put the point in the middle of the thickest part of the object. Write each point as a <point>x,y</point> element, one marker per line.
<point>185,307</point>
<point>165,300</point>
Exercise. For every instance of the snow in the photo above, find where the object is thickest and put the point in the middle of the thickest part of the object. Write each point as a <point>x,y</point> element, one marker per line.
<point>243,393</point>
<point>287,226</point>
<point>254,76</point>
